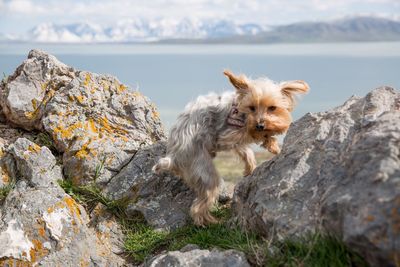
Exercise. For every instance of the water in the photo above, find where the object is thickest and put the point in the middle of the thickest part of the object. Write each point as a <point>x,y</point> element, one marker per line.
<point>172,75</point>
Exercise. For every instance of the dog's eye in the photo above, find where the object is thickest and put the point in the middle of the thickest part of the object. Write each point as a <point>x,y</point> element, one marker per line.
<point>271,108</point>
<point>252,108</point>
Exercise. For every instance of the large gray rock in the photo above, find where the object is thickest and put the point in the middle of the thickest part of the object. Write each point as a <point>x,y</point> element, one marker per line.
<point>338,172</point>
<point>41,224</point>
<point>197,257</point>
<point>25,94</point>
<point>97,122</point>
<point>163,200</point>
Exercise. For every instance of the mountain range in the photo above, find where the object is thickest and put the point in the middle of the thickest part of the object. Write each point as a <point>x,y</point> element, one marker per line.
<point>213,31</point>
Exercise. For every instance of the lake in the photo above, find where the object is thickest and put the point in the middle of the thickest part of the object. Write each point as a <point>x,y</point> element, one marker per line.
<point>172,75</point>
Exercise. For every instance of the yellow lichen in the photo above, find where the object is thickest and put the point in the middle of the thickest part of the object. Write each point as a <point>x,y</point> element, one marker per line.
<point>88,78</point>
<point>85,151</point>
<point>80,99</point>
<point>69,131</point>
<point>34,148</point>
<point>34,103</point>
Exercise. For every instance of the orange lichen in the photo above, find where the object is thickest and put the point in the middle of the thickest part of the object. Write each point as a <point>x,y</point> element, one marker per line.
<point>73,208</point>
<point>34,148</point>
<point>121,88</point>
<point>5,174</point>
<point>370,218</point>
<point>14,262</point>
<point>69,131</point>
<point>38,251</point>
<point>85,151</point>
<point>110,129</point>
<point>92,126</point>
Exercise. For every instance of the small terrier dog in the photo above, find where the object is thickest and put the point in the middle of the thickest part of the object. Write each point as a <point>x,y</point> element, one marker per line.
<point>255,113</point>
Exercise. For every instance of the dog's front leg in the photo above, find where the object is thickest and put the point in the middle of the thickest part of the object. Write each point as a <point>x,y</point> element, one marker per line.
<point>271,144</point>
<point>247,155</point>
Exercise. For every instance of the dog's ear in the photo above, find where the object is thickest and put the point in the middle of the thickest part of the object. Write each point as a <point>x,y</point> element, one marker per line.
<point>239,82</point>
<point>291,88</point>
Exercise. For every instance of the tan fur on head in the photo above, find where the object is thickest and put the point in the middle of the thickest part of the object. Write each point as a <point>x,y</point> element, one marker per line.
<point>203,129</point>
<point>291,88</point>
<point>239,82</point>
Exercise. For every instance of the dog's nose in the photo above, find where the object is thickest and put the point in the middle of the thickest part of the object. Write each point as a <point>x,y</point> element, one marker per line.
<point>259,127</point>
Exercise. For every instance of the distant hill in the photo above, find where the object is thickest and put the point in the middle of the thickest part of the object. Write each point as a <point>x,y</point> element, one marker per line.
<point>344,30</point>
<point>215,31</point>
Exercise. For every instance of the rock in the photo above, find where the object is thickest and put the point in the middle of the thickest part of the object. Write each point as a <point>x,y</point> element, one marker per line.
<point>25,94</point>
<point>197,257</point>
<point>8,136</point>
<point>40,223</point>
<point>163,200</point>
<point>36,164</point>
<point>97,122</point>
<point>338,172</point>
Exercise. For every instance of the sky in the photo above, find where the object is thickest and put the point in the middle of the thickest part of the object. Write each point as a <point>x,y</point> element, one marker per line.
<point>18,16</point>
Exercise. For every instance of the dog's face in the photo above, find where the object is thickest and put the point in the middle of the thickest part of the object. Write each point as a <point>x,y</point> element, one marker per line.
<point>267,105</point>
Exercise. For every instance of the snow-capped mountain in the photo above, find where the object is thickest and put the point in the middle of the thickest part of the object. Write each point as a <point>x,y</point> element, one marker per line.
<point>140,30</point>
<point>213,31</point>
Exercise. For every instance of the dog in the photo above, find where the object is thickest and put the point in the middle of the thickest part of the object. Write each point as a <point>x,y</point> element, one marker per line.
<point>256,112</point>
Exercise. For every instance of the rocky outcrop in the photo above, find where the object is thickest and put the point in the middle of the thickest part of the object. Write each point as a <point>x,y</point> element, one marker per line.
<point>95,125</point>
<point>338,172</point>
<point>164,200</point>
<point>40,223</point>
<point>97,122</point>
<point>198,257</point>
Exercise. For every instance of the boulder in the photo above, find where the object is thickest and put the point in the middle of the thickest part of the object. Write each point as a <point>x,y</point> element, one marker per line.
<point>198,257</point>
<point>338,173</point>
<point>97,122</point>
<point>163,200</point>
<point>24,95</point>
<point>40,223</point>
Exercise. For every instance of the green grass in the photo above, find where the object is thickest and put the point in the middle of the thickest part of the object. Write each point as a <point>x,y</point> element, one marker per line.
<point>90,195</point>
<point>314,250</point>
<point>142,241</point>
<point>5,190</point>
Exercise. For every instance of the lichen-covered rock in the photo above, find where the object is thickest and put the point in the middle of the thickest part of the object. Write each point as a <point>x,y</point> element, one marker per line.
<point>25,94</point>
<point>94,120</point>
<point>338,172</point>
<point>197,257</point>
<point>35,164</point>
<point>163,200</point>
<point>8,136</point>
<point>40,223</point>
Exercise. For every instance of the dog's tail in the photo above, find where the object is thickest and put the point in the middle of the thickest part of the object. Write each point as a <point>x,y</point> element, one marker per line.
<point>163,164</point>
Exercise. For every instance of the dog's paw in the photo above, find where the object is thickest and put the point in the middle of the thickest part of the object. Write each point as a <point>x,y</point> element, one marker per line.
<point>274,149</point>
<point>271,144</point>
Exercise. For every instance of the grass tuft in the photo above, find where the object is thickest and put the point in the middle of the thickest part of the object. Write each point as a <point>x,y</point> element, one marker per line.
<point>5,190</point>
<point>90,195</point>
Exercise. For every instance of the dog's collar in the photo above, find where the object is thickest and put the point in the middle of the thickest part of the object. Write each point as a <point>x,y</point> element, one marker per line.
<point>236,118</point>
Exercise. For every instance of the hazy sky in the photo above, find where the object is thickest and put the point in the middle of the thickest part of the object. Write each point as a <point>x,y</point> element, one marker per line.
<point>18,16</point>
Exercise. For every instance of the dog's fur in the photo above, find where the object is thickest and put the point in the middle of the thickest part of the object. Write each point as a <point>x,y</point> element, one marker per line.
<point>261,111</point>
